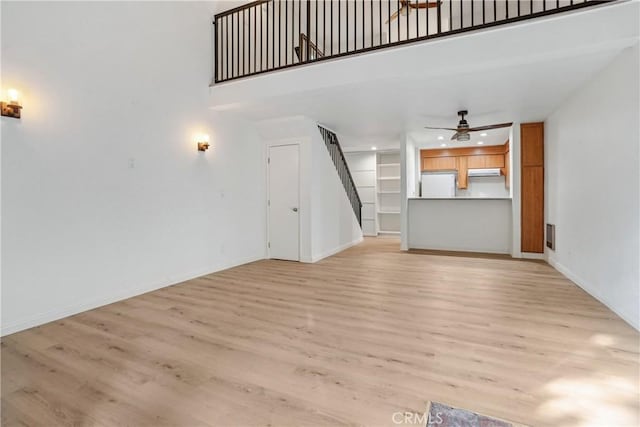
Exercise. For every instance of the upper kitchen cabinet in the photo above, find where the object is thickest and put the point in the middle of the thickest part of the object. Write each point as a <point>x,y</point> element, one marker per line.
<point>486,161</point>
<point>532,148</point>
<point>438,163</point>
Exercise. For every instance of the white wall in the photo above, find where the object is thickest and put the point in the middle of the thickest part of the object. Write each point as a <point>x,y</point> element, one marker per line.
<point>515,188</point>
<point>334,226</point>
<point>327,222</point>
<point>592,186</point>
<point>408,186</point>
<point>485,186</point>
<point>104,195</point>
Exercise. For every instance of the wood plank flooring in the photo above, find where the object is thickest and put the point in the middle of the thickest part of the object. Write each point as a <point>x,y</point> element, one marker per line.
<point>350,340</point>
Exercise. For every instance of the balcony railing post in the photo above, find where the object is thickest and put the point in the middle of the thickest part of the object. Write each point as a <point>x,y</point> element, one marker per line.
<point>473,12</point>
<point>215,51</point>
<point>406,37</point>
<point>331,25</point>
<point>339,28</point>
<point>389,21</point>
<point>308,31</point>
<point>347,22</point>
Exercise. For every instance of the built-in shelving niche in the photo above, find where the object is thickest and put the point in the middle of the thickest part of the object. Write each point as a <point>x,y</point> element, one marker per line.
<point>388,192</point>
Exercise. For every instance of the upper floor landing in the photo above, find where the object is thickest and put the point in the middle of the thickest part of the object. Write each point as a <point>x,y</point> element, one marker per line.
<point>274,49</point>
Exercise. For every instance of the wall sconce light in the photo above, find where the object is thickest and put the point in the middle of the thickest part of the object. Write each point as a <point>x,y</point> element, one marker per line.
<point>12,107</point>
<point>203,142</point>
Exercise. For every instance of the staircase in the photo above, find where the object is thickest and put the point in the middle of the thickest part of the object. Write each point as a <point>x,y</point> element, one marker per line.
<point>336,154</point>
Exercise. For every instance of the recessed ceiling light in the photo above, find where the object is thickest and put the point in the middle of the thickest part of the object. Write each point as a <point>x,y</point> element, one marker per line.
<point>443,145</point>
<point>483,134</point>
<point>440,138</point>
<point>374,148</point>
<point>480,142</point>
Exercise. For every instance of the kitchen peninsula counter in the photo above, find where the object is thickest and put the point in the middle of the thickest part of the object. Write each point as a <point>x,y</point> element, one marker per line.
<point>473,224</point>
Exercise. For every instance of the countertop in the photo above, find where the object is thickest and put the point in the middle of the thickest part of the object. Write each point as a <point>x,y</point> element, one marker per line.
<point>459,198</point>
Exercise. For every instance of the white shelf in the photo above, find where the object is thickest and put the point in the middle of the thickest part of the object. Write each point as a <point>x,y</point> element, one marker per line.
<point>389,212</point>
<point>389,192</point>
<point>388,232</point>
<point>389,178</point>
<point>388,164</point>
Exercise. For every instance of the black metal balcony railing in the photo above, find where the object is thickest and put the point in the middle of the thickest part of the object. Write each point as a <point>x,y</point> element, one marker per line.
<point>269,35</point>
<point>336,154</point>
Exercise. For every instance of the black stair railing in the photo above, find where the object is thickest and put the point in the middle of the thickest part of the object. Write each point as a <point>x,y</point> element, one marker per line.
<point>335,151</point>
<point>268,35</point>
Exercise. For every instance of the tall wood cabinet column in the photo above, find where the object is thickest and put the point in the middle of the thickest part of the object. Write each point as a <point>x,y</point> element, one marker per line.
<point>532,187</point>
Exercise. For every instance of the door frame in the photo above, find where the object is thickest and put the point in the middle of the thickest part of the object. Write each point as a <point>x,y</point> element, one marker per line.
<point>282,143</point>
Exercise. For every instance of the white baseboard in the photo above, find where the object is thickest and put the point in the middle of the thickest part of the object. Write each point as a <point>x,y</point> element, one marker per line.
<point>591,290</point>
<point>336,250</point>
<point>60,313</point>
<point>532,255</point>
<point>457,249</point>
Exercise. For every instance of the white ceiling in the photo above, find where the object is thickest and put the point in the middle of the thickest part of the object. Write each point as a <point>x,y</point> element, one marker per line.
<point>503,75</point>
<point>218,6</point>
<point>383,110</point>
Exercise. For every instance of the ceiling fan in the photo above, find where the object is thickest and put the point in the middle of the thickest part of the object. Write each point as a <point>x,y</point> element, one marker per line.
<point>407,6</point>
<point>463,129</point>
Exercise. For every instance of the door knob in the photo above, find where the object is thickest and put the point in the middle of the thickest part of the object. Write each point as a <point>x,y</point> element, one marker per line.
<point>294,209</point>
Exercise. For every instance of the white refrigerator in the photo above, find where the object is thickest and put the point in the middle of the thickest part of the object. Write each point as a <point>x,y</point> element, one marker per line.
<point>438,185</point>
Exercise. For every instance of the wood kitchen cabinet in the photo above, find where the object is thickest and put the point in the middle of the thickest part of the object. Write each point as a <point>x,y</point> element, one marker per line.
<point>486,161</point>
<point>532,144</point>
<point>438,163</point>
<point>463,168</point>
<point>532,209</point>
<point>464,158</point>
<point>507,168</point>
<point>532,187</point>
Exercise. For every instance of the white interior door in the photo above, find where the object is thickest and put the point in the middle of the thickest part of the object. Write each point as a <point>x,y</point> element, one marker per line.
<point>284,184</point>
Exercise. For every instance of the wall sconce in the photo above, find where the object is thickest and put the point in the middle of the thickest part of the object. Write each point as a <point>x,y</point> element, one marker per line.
<point>203,142</point>
<point>12,107</point>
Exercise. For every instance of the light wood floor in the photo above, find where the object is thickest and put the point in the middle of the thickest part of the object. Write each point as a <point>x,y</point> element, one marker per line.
<point>349,340</point>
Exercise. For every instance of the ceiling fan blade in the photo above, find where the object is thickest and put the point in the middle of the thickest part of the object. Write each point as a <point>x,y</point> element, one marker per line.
<point>394,16</point>
<point>497,126</point>
<point>426,5</point>
<point>453,129</point>
<point>454,137</point>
